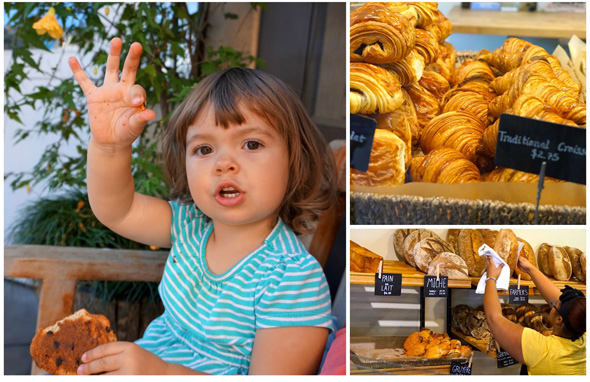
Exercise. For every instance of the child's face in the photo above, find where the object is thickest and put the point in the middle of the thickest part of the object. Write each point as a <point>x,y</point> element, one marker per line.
<point>237,175</point>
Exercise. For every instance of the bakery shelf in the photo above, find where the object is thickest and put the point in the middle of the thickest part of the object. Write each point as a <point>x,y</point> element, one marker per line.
<point>533,291</point>
<point>410,276</point>
<point>481,345</point>
<point>523,24</point>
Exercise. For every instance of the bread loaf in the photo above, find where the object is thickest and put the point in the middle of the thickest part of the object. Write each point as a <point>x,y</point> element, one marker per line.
<point>489,236</point>
<point>411,240</point>
<point>583,264</point>
<point>452,235</point>
<point>509,312</point>
<point>506,247</point>
<point>468,244</point>
<point>363,260</point>
<point>427,249</point>
<point>448,264</point>
<point>398,242</point>
<point>574,255</point>
<point>528,253</point>
<point>543,256</point>
<point>559,262</point>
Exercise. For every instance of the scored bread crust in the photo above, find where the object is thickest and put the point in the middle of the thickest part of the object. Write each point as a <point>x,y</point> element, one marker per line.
<point>57,349</point>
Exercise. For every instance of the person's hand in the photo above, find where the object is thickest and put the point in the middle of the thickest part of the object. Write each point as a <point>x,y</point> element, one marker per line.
<point>493,270</point>
<point>121,358</point>
<point>524,264</point>
<point>114,108</point>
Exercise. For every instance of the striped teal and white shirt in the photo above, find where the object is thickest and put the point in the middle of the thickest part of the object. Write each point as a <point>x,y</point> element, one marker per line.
<point>210,321</point>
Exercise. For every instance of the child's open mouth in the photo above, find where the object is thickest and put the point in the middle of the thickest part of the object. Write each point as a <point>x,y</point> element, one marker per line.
<point>229,192</point>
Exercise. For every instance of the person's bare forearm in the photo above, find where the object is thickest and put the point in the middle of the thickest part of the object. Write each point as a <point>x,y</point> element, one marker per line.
<point>491,302</point>
<point>547,289</point>
<point>111,187</point>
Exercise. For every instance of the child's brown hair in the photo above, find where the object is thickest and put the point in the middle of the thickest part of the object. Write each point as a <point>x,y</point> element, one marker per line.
<point>312,183</point>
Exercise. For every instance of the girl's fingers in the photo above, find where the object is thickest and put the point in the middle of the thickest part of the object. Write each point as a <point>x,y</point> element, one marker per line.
<point>85,83</point>
<point>113,61</point>
<point>100,365</point>
<point>137,94</point>
<point>131,63</point>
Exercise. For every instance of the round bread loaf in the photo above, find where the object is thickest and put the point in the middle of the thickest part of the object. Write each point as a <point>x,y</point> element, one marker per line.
<point>509,312</point>
<point>398,242</point>
<point>468,243</point>
<point>411,240</point>
<point>57,349</point>
<point>583,264</point>
<point>427,249</point>
<point>543,256</point>
<point>539,321</point>
<point>528,253</point>
<point>506,246</point>
<point>574,255</point>
<point>559,262</point>
<point>448,264</point>
<point>489,236</point>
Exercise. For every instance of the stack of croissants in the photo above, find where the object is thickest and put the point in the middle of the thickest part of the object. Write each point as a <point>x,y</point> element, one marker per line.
<point>436,120</point>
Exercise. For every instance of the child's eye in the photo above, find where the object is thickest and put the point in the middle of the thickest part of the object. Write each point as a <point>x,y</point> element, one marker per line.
<point>202,150</point>
<point>252,145</point>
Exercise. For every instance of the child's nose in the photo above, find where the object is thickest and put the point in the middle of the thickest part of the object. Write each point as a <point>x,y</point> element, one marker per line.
<point>225,163</point>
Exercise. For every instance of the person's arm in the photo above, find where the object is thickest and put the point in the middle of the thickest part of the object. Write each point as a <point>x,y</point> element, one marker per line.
<point>288,350</point>
<point>507,333</point>
<point>115,123</point>
<point>545,286</point>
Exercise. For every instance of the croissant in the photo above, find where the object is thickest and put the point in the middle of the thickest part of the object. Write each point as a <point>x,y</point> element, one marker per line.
<point>516,52</point>
<point>373,89</point>
<point>378,35</point>
<point>427,13</point>
<point>448,54</point>
<point>502,174</point>
<point>426,45</point>
<point>403,8</point>
<point>398,123</point>
<point>524,106</point>
<point>386,164</point>
<point>458,130</point>
<point>409,69</point>
<point>444,165</point>
<point>470,102</point>
<point>442,28</point>
<point>536,85</point>
<point>425,103</point>
<point>435,84</point>
<point>471,69</point>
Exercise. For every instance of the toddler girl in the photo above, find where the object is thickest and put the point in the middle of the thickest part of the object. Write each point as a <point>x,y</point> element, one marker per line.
<point>248,172</point>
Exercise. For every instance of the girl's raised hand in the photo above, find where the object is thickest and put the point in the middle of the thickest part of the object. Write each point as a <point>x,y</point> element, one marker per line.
<point>114,108</point>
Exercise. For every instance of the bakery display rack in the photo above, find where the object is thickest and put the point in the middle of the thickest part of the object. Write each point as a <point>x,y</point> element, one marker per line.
<point>533,291</point>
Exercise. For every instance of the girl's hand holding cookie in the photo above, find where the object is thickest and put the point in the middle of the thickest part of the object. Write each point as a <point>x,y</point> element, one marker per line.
<point>116,110</point>
<point>121,358</point>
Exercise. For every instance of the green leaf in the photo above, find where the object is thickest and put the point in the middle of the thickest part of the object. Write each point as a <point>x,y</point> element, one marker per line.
<point>150,70</point>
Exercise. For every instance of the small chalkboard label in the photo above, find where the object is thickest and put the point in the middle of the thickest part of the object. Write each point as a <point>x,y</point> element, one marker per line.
<point>459,367</point>
<point>525,143</point>
<point>504,359</point>
<point>434,287</point>
<point>390,284</point>
<point>362,131</point>
<point>518,295</point>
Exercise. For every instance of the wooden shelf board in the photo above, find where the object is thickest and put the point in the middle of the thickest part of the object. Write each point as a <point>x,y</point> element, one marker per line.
<point>410,276</point>
<point>533,291</point>
<point>522,24</point>
<point>481,345</point>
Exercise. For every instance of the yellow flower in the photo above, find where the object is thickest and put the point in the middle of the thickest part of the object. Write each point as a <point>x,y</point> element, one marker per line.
<point>48,24</point>
<point>28,189</point>
<point>106,11</point>
<point>80,205</point>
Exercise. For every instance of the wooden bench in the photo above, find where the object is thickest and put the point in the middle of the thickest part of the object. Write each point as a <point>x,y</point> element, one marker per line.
<point>59,268</point>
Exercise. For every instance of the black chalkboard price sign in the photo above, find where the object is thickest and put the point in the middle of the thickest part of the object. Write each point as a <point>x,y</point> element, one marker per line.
<point>518,295</point>
<point>504,359</point>
<point>460,367</point>
<point>362,131</point>
<point>434,287</point>
<point>525,143</point>
<point>389,284</point>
